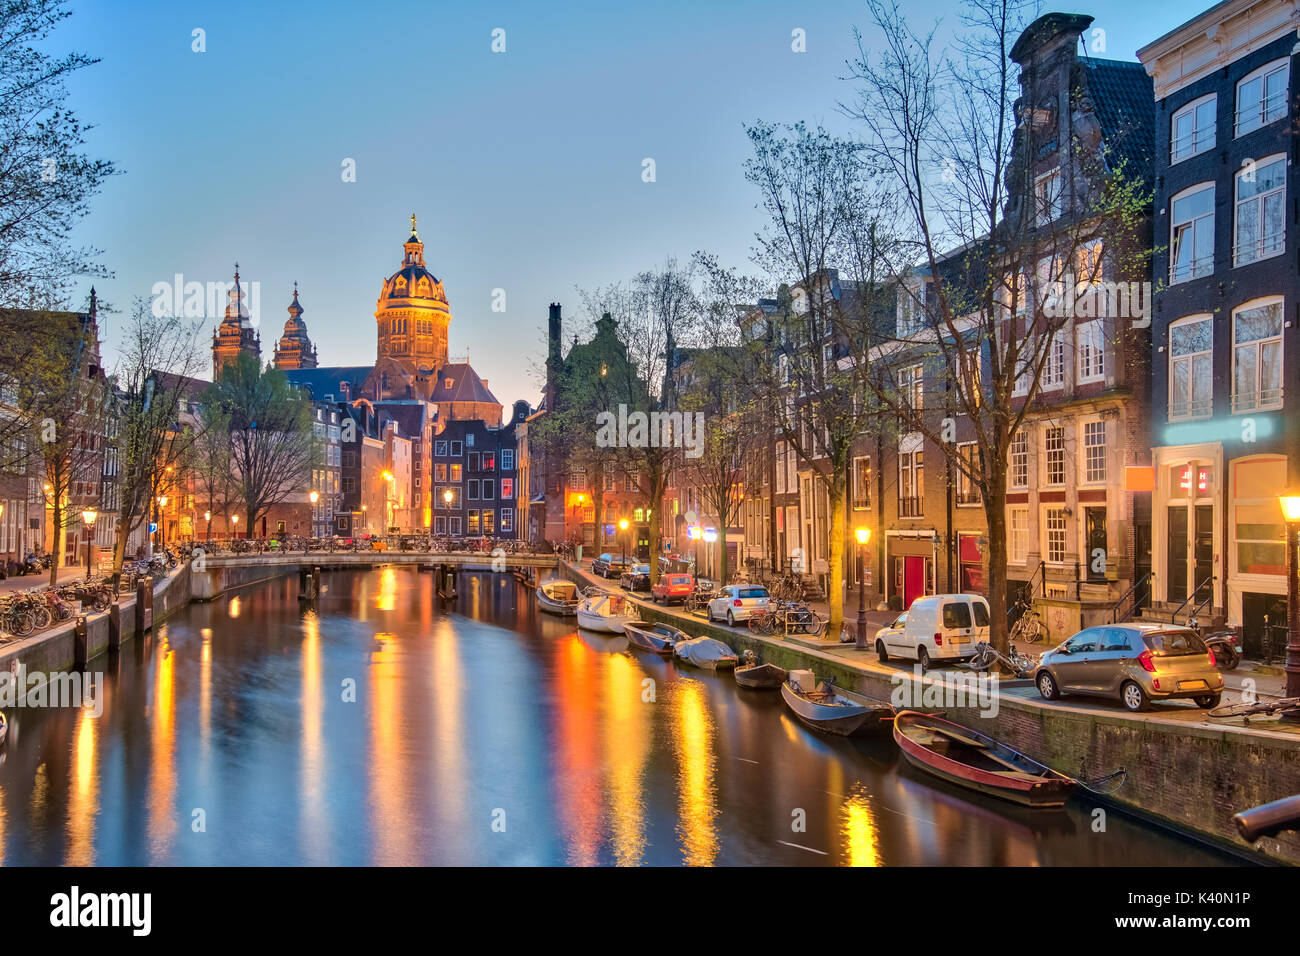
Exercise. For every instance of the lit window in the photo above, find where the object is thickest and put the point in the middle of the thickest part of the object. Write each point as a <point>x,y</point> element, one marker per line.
<point>1018,523</point>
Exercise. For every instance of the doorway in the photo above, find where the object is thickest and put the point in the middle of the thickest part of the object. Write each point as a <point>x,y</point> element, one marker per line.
<point>1177,555</point>
<point>913,579</point>
<point>1094,522</point>
<point>1203,556</point>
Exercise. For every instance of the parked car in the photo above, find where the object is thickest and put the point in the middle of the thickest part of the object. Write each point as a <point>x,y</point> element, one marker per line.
<point>636,578</point>
<point>609,565</point>
<point>1133,663</point>
<point>936,627</point>
<point>673,586</point>
<point>737,602</point>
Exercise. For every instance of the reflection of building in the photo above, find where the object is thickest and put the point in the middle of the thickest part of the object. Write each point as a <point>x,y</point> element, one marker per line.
<point>1222,431</point>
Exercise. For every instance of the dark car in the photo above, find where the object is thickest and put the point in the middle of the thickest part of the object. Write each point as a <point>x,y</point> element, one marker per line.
<point>636,578</point>
<point>608,565</point>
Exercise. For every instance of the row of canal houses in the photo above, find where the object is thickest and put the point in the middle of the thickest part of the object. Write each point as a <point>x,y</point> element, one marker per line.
<point>1160,440</point>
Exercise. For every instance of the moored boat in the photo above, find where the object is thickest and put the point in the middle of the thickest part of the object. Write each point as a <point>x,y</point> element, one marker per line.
<point>760,676</point>
<point>605,612</point>
<point>4,729</point>
<point>823,706</point>
<point>557,596</point>
<point>706,653</point>
<point>656,638</point>
<point>973,760</point>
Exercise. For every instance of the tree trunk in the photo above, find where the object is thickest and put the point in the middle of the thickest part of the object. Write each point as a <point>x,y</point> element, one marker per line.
<point>836,579</point>
<point>55,544</point>
<point>996,513</point>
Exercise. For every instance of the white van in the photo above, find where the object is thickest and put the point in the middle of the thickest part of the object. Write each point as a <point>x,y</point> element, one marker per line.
<point>936,627</point>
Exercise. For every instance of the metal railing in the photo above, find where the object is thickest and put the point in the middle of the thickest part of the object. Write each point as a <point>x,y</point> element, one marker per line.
<point>1265,247</point>
<point>911,507</point>
<point>1138,597</point>
<point>1208,582</point>
<point>1256,398</point>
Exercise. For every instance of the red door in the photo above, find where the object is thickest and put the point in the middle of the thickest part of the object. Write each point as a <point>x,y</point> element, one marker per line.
<point>913,579</point>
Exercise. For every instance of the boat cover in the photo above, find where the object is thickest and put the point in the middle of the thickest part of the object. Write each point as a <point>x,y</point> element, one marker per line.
<point>699,650</point>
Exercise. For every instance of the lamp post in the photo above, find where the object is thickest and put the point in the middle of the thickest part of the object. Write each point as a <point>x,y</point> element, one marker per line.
<point>315,523</point>
<point>162,521</point>
<point>622,526</point>
<point>863,535</point>
<point>207,518</point>
<point>234,526</point>
<point>88,518</point>
<point>1291,513</point>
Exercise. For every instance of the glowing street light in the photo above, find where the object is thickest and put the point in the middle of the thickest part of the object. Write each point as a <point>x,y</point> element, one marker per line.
<point>1291,514</point>
<point>88,518</point>
<point>863,536</point>
<point>622,526</point>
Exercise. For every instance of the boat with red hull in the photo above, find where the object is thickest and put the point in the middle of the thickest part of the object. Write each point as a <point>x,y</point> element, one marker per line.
<point>976,761</point>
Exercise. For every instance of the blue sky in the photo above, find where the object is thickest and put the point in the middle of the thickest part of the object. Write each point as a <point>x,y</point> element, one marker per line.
<point>524,167</point>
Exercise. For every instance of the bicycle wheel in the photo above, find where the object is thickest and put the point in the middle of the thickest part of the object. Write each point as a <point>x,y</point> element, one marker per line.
<point>1034,630</point>
<point>41,617</point>
<point>21,623</point>
<point>983,659</point>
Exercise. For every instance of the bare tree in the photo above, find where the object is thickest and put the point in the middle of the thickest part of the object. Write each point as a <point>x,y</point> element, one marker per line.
<point>1000,248</point>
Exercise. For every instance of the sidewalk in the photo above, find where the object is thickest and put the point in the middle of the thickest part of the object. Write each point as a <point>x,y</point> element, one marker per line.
<point>25,582</point>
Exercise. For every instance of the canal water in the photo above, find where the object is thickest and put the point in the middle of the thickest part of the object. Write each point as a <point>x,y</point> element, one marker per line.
<point>378,728</point>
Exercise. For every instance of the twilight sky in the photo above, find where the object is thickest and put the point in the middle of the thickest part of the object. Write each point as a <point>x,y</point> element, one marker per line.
<point>524,167</point>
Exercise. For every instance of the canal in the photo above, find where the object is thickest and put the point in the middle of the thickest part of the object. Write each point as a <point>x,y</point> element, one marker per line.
<point>377,728</point>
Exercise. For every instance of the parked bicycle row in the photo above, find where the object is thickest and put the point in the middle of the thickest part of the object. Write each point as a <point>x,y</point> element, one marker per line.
<point>410,543</point>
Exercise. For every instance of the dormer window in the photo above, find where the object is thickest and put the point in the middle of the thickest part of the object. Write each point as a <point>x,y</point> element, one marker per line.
<point>400,284</point>
<point>446,383</point>
<point>1047,197</point>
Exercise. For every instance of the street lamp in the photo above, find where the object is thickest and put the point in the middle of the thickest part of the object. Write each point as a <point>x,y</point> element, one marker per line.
<point>88,517</point>
<point>234,522</point>
<point>622,526</point>
<point>162,521</point>
<point>315,524</point>
<point>1291,514</point>
<point>863,535</point>
<point>207,517</point>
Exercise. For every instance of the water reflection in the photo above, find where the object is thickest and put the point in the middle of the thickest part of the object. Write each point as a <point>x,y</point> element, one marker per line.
<point>385,726</point>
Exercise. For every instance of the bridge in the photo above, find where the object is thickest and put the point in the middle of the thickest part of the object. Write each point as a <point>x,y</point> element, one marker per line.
<point>213,575</point>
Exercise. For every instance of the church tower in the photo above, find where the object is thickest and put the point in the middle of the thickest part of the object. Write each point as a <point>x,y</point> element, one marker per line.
<point>235,335</point>
<point>412,313</point>
<point>294,350</point>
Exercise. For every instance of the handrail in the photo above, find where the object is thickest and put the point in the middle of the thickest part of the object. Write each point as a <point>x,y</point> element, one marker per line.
<point>1195,591</point>
<point>1114,611</point>
<point>1208,598</point>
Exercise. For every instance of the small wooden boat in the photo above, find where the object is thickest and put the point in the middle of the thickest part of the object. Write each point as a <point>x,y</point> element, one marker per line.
<point>706,653</point>
<point>828,708</point>
<point>761,676</point>
<point>971,759</point>
<point>4,729</point>
<point>605,612</point>
<point>556,596</point>
<point>656,638</point>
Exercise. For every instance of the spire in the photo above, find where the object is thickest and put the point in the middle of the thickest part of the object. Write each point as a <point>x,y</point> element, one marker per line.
<point>295,310</point>
<point>414,235</point>
<point>414,248</point>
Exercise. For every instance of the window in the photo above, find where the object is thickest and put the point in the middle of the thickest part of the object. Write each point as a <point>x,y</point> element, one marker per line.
<point>1191,237</point>
<point>489,524</point>
<point>471,523</point>
<point>956,615</point>
<point>967,489</point>
<point>911,481</point>
<point>1054,445</point>
<point>911,387</point>
<point>1256,518</point>
<point>439,525</point>
<point>488,489</point>
<point>473,461</point>
<point>455,472</point>
<point>1191,355</point>
<point>1090,348</point>
<point>457,449</point>
<point>1054,531</point>
<point>507,490</point>
<point>1094,452</point>
<point>1019,460</point>
<point>911,308</point>
<point>440,449</point>
<point>1261,97</point>
<point>1257,357</point>
<point>1259,230</point>
<point>507,464</point>
<point>489,461</point>
<point>861,483</point>
<point>1047,197</point>
<point>1018,536</point>
<point>507,520</point>
<point>1192,129</point>
<point>453,525</point>
<point>473,489</point>
<point>1054,367</point>
<point>440,472</point>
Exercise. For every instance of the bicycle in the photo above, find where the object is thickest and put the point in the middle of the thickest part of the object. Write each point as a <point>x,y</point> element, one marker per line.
<point>986,655</point>
<point>1029,626</point>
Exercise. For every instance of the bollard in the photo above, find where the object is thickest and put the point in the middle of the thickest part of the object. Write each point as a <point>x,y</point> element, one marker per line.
<point>81,644</point>
<point>143,606</point>
<point>115,626</point>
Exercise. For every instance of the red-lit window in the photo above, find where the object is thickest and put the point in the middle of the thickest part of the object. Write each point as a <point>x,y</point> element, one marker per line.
<point>507,488</point>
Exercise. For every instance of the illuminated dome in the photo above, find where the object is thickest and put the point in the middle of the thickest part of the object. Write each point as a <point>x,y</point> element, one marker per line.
<point>412,311</point>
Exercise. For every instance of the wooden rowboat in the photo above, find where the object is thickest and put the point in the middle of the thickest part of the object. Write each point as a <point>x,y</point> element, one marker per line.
<point>656,638</point>
<point>827,708</point>
<point>761,676</point>
<point>970,759</point>
<point>558,597</point>
<point>4,729</point>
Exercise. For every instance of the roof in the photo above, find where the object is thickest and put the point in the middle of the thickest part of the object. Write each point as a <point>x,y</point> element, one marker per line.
<point>466,386</point>
<point>1124,99</point>
<point>324,382</point>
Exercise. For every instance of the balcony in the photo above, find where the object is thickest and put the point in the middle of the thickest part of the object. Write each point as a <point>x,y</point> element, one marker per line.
<point>1256,400</point>
<point>1190,409</point>
<point>1190,269</point>
<point>1265,247</point>
<point>911,507</point>
<point>968,497</point>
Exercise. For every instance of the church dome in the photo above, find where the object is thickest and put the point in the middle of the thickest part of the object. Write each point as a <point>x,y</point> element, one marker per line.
<point>413,281</point>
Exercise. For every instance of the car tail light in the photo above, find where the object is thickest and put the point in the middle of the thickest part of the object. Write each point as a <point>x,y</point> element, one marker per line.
<point>938,639</point>
<point>737,603</point>
<point>1155,682</point>
<point>1148,663</point>
<point>1211,652</point>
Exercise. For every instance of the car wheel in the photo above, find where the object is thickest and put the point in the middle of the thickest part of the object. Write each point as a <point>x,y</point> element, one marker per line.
<point>923,658</point>
<point>1134,697</point>
<point>1207,701</point>
<point>881,652</point>
<point>731,620</point>
<point>708,613</point>
<point>1047,686</point>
